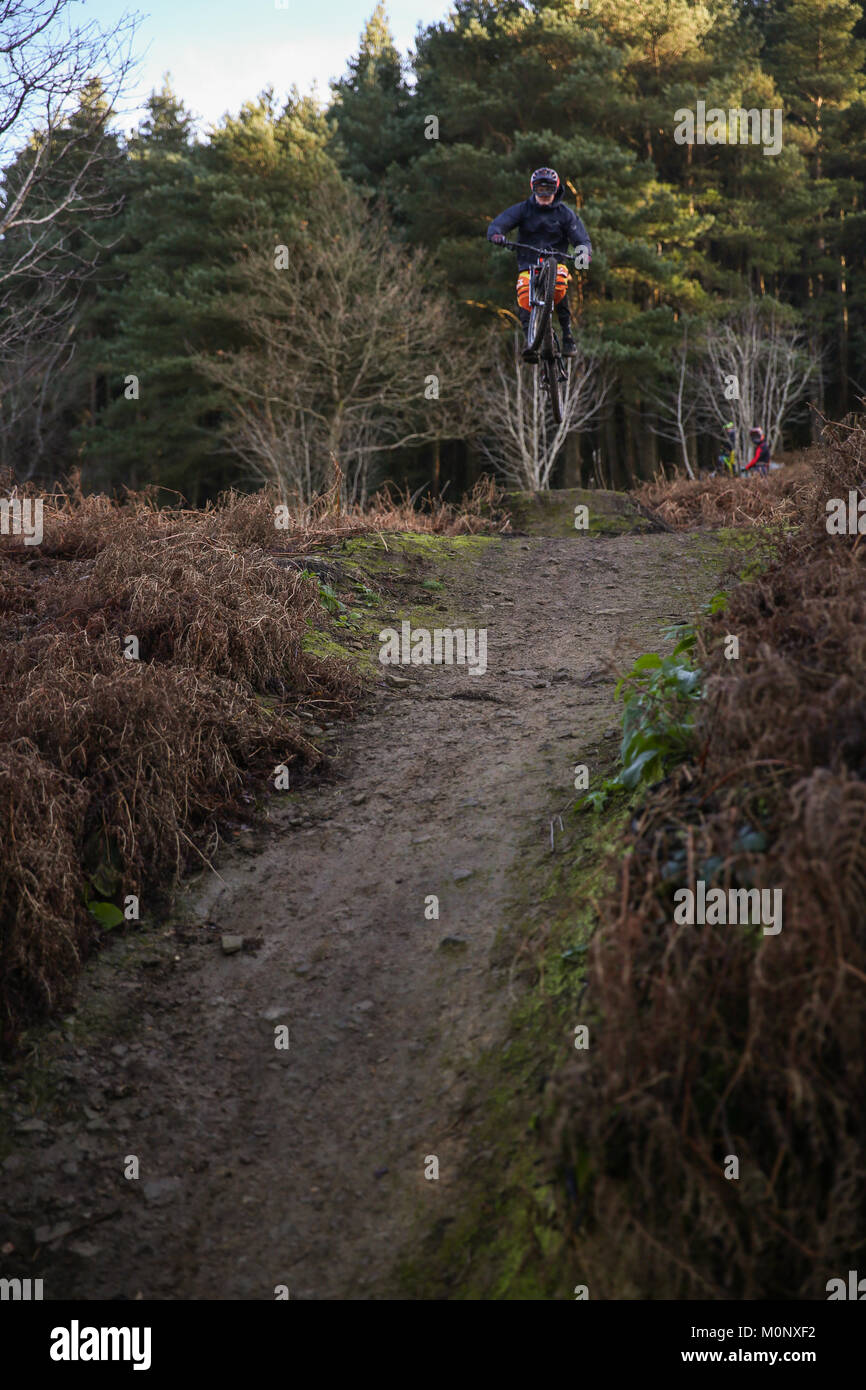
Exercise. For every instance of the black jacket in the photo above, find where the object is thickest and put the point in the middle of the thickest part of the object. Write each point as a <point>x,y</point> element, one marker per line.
<point>552,228</point>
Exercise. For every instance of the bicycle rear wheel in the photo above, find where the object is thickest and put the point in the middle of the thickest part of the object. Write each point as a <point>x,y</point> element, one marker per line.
<point>539,314</point>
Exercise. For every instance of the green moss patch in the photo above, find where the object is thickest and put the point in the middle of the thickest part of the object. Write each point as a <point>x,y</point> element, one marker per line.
<point>553,513</point>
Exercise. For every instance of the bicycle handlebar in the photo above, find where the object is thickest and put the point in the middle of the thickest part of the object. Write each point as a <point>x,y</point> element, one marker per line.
<point>539,251</point>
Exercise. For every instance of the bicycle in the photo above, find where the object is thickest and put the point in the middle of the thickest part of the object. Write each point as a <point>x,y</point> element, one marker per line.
<point>541,337</point>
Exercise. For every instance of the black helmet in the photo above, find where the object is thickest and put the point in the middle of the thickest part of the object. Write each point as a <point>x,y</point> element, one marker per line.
<point>546,180</point>
<point>756,433</point>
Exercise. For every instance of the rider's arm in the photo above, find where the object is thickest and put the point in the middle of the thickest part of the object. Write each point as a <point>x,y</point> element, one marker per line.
<point>755,459</point>
<point>577,233</point>
<point>506,221</point>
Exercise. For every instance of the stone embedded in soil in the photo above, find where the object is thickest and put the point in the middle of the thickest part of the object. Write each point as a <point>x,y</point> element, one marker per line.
<point>459,875</point>
<point>44,1235</point>
<point>231,945</point>
<point>158,1191</point>
<point>247,842</point>
<point>453,943</point>
<point>397,682</point>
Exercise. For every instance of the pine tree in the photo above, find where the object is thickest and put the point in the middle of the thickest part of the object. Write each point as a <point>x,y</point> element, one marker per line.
<point>817,64</point>
<point>168,288</point>
<point>369,105</point>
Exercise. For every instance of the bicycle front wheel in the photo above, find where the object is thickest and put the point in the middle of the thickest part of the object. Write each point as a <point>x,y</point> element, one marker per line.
<point>550,367</point>
<point>539,314</point>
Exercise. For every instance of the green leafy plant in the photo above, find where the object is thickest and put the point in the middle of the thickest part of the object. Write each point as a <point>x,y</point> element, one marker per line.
<point>366,595</point>
<point>331,601</point>
<point>106,914</point>
<point>659,696</point>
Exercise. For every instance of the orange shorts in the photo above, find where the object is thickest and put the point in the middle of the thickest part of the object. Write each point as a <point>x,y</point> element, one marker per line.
<point>562,279</point>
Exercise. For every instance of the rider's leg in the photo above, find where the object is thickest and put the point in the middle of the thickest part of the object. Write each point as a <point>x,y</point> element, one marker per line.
<point>563,313</point>
<point>523,315</point>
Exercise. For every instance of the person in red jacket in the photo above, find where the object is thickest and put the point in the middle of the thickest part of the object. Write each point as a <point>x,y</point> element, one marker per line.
<point>761,457</point>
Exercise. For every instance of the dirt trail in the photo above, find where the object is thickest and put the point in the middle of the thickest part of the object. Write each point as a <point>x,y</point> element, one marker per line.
<point>305,1167</point>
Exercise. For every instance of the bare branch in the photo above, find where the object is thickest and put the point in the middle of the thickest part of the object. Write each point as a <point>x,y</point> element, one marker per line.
<point>348,354</point>
<point>517,433</point>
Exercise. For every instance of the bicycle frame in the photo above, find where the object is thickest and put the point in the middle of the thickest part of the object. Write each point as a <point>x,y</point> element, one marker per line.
<point>553,368</point>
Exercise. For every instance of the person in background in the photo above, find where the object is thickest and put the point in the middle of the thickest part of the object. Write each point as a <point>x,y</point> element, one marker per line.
<point>761,457</point>
<point>727,459</point>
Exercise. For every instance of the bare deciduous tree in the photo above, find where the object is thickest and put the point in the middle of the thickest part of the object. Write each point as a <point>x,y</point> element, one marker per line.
<point>678,407</point>
<point>516,431</point>
<point>349,356</point>
<point>59,84</point>
<point>762,354</point>
<point>46,64</point>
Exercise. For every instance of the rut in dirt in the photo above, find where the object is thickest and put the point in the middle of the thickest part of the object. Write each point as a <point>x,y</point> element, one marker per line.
<point>305,1167</point>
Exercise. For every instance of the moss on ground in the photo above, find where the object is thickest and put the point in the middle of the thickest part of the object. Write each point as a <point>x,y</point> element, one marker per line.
<point>552,513</point>
<point>745,552</point>
<point>385,579</point>
<point>32,1084</point>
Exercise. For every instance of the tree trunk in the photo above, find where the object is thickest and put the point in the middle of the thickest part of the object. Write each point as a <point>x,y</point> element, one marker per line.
<point>571,461</point>
<point>630,460</point>
<point>609,449</point>
<point>843,326</point>
<point>692,444</point>
<point>648,449</point>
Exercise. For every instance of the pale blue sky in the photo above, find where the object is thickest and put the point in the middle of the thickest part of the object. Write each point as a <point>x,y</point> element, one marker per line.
<point>223,52</point>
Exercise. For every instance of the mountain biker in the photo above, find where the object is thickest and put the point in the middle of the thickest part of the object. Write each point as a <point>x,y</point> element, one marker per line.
<point>761,458</point>
<point>544,221</point>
